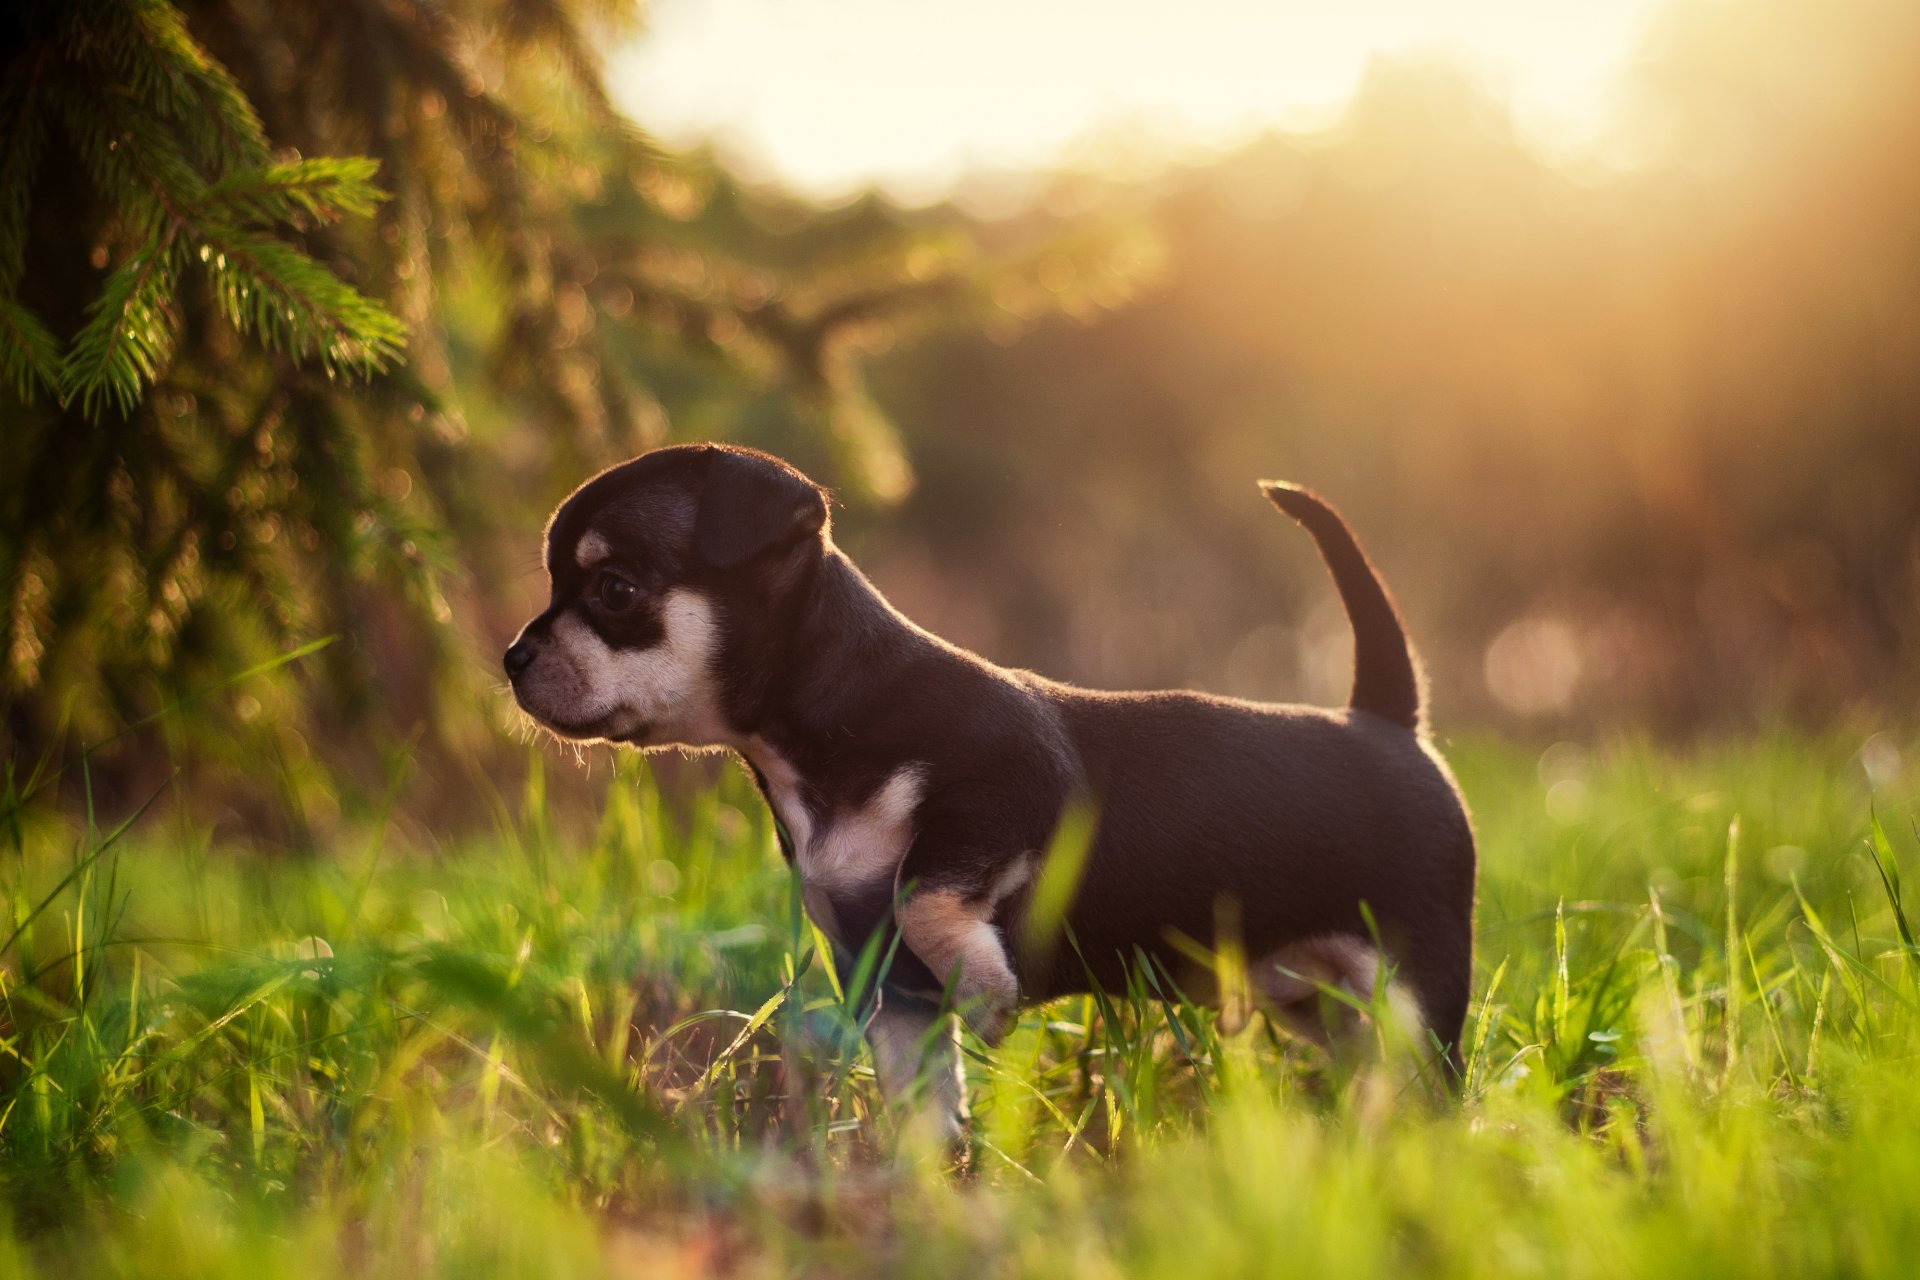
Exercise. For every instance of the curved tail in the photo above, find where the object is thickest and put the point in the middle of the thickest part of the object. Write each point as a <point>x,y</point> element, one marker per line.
<point>1386,676</point>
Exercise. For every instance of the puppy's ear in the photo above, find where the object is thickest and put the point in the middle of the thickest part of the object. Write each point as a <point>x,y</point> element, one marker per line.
<point>751,505</point>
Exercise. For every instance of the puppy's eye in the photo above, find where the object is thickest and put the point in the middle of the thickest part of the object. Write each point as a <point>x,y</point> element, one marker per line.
<point>616,593</point>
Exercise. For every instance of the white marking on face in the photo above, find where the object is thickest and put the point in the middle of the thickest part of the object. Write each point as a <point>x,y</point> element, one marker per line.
<point>584,687</point>
<point>591,550</point>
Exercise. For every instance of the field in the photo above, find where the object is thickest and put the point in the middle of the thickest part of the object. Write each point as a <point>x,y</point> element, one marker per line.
<point>567,1050</point>
<point>1602,334</point>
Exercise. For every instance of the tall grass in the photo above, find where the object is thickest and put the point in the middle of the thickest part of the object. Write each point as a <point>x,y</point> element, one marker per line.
<point>1692,1051</point>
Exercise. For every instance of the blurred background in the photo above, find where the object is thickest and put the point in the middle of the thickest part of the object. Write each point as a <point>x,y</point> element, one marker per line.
<point>1600,323</point>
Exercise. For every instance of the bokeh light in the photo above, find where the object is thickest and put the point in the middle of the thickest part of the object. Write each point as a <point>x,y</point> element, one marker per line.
<point>830,97</point>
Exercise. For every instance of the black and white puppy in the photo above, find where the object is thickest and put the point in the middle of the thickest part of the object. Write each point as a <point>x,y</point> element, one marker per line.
<point>698,600</point>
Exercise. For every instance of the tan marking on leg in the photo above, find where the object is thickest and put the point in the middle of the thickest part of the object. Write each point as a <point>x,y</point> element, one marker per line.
<point>954,936</point>
<point>1289,983</point>
<point>1296,971</point>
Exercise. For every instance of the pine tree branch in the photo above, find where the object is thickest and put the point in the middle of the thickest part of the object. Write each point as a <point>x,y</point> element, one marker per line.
<point>144,46</point>
<point>29,353</point>
<point>296,305</point>
<point>326,188</point>
<point>264,285</point>
<point>133,157</point>
<point>242,138</point>
<point>128,334</point>
<point>139,158</point>
<point>867,305</point>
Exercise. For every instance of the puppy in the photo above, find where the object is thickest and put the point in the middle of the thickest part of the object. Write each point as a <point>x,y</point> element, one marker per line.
<point>698,600</point>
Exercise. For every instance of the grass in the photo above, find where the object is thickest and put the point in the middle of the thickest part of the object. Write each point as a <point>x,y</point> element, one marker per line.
<point>1694,1052</point>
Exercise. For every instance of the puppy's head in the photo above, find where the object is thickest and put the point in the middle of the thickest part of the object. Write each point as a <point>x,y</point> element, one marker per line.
<point>668,574</point>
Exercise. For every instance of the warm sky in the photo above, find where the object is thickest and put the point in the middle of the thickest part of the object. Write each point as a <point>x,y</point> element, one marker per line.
<point>831,96</point>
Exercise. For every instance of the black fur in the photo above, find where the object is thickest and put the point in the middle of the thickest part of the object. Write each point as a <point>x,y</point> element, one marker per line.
<point>1386,679</point>
<point>1280,820</point>
<point>748,509</point>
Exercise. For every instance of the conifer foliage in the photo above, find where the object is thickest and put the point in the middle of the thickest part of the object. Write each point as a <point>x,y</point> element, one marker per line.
<point>227,232</point>
<point>223,381</point>
<point>187,178</point>
<point>299,296</point>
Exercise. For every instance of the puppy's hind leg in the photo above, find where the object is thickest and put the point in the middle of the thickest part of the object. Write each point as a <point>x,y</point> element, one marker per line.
<point>1320,989</point>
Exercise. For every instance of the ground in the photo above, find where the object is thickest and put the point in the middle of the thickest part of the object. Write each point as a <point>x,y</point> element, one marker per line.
<point>619,1052</point>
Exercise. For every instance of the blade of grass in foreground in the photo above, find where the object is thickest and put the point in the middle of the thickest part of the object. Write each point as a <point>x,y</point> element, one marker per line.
<point>1889,868</point>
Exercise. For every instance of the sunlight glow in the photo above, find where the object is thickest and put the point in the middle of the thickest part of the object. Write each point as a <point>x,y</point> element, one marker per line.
<point>830,96</point>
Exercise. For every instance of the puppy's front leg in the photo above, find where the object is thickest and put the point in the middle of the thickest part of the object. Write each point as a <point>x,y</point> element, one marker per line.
<point>916,1055</point>
<point>952,933</point>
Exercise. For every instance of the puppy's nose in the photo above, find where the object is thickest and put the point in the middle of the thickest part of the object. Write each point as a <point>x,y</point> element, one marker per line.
<point>518,659</point>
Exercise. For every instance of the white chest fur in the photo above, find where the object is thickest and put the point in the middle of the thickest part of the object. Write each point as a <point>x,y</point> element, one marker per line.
<point>847,850</point>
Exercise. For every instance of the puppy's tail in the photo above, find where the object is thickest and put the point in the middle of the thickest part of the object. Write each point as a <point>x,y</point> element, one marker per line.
<point>1386,676</point>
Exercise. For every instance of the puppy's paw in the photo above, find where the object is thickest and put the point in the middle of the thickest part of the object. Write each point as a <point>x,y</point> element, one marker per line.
<point>989,1007</point>
<point>990,1022</point>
